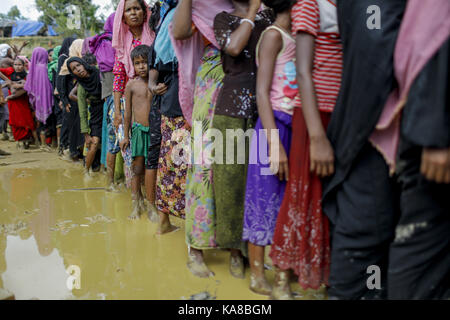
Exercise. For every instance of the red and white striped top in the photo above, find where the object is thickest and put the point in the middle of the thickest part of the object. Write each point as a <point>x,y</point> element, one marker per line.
<point>319,18</point>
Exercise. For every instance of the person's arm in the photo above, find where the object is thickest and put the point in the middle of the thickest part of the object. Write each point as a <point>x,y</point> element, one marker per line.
<point>18,85</point>
<point>322,154</point>
<point>127,118</point>
<point>17,94</point>
<point>4,78</point>
<point>235,43</point>
<point>182,20</point>
<point>73,95</point>
<point>153,85</point>
<point>271,45</point>
<point>118,90</point>
<point>4,73</point>
<point>83,109</point>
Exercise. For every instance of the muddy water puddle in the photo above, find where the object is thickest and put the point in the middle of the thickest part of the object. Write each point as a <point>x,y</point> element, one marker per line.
<point>63,237</point>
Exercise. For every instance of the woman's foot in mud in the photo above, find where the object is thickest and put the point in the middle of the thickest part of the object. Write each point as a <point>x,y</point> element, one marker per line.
<point>164,225</point>
<point>197,265</point>
<point>259,285</point>
<point>237,268</point>
<point>281,290</point>
<point>152,213</point>
<point>135,214</point>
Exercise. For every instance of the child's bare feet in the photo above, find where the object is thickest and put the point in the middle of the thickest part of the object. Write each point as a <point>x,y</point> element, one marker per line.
<point>237,268</point>
<point>164,225</point>
<point>281,289</point>
<point>197,265</point>
<point>259,285</point>
<point>136,211</point>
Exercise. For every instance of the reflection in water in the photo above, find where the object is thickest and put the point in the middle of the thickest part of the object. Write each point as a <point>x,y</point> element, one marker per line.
<point>30,275</point>
<point>118,259</point>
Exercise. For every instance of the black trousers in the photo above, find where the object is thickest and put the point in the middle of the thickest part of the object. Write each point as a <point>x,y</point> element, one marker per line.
<point>419,257</point>
<point>399,224</point>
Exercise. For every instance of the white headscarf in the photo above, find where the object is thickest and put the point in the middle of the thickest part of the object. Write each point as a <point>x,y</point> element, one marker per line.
<point>4,50</point>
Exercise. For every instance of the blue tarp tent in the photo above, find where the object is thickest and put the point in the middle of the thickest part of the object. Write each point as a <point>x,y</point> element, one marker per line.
<point>23,28</point>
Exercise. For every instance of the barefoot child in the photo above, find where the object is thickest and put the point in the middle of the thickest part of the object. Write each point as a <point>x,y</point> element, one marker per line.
<point>137,109</point>
<point>89,89</point>
<point>277,95</point>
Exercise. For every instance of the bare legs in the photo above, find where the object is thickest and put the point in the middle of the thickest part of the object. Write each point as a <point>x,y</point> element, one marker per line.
<point>150,188</point>
<point>197,265</point>
<point>164,224</point>
<point>111,166</point>
<point>281,289</point>
<point>237,268</point>
<point>258,282</point>
<point>93,147</point>
<point>136,182</point>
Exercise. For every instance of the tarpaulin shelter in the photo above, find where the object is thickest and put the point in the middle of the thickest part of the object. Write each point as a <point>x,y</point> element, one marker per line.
<point>24,28</point>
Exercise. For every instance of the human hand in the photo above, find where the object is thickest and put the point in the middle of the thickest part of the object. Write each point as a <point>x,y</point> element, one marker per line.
<point>68,108</point>
<point>435,165</point>
<point>160,89</point>
<point>279,162</point>
<point>124,143</point>
<point>61,106</point>
<point>321,157</point>
<point>87,139</point>
<point>117,121</point>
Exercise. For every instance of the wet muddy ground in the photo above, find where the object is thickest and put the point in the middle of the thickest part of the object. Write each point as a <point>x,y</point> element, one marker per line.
<point>52,220</point>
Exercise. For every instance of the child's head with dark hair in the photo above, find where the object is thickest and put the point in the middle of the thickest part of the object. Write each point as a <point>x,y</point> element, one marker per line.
<point>279,6</point>
<point>90,59</point>
<point>140,51</point>
<point>139,56</point>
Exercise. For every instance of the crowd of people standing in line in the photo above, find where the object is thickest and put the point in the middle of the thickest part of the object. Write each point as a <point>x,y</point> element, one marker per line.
<point>362,117</point>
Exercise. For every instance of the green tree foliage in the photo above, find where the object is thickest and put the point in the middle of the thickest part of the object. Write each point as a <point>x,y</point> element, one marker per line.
<point>13,14</point>
<point>81,22</point>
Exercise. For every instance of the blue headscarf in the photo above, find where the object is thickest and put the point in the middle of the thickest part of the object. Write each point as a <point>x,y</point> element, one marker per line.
<point>163,45</point>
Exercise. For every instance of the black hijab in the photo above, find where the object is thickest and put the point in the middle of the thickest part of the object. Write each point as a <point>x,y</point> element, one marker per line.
<point>91,84</point>
<point>67,42</point>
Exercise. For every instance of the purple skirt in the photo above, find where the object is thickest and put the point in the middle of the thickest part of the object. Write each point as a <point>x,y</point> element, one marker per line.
<point>264,192</point>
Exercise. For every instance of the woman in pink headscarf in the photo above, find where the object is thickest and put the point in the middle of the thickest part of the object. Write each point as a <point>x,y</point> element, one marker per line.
<point>131,29</point>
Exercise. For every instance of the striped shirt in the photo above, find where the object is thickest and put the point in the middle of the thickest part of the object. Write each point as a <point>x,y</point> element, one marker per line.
<point>319,18</point>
